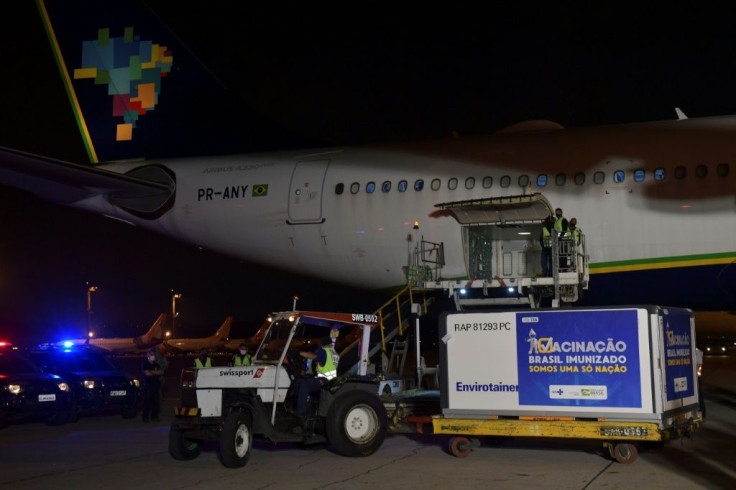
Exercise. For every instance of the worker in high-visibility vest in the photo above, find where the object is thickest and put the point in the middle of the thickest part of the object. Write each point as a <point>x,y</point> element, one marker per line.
<point>573,231</point>
<point>325,362</point>
<point>545,240</point>
<point>203,360</point>
<point>242,357</point>
<point>560,225</point>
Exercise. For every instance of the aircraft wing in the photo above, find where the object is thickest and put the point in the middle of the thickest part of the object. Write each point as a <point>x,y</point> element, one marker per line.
<point>146,190</point>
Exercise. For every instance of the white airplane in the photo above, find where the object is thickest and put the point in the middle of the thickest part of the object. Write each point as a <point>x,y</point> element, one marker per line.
<point>213,342</point>
<point>655,201</point>
<point>123,345</point>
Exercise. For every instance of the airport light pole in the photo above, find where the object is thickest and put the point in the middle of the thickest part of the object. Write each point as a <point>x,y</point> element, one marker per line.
<point>174,314</point>
<point>90,290</point>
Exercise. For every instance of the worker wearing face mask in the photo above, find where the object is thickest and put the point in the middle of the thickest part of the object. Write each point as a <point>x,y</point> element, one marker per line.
<point>151,387</point>
<point>242,357</point>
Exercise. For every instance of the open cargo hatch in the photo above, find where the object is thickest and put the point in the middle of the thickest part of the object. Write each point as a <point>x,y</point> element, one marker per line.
<point>500,239</point>
<point>500,211</point>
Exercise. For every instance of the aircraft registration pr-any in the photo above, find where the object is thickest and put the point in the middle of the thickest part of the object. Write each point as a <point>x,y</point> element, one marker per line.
<point>656,201</point>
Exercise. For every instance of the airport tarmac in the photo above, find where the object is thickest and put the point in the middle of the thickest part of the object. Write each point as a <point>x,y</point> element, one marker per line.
<point>110,452</point>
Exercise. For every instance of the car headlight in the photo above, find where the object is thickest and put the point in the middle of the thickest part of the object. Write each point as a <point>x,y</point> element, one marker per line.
<point>89,383</point>
<point>14,389</point>
<point>135,382</point>
<point>63,386</point>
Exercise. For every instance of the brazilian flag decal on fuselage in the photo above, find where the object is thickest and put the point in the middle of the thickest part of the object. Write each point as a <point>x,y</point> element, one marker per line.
<point>260,190</point>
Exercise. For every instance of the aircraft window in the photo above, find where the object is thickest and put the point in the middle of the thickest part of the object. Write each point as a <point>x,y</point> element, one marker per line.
<point>579,178</point>
<point>658,174</point>
<point>402,185</point>
<point>435,185</point>
<point>560,179</point>
<point>523,180</point>
<point>452,184</point>
<point>722,170</point>
<point>619,176</point>
<point>339,188</point>
<point>505,181</point>
<point>354,188</point>
<point>701,171</point>
<point>541,180</point>
<point>418,185</point>
<point>599,177</point>
<point>639,175</point>
<point>469,182</point>
<point>487,182</point>
<point>386,186</point>
<point>370,187</point>
<point>680,172</point>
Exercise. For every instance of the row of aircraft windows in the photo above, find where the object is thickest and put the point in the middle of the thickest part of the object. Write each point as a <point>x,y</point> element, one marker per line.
<point>619,176</point>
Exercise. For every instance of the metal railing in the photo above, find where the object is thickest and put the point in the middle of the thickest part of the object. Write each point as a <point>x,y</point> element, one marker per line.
<point>394,316</point>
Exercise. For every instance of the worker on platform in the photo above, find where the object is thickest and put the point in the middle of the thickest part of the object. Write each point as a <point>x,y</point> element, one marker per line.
<point>573,231</point>
<point>560,224</point>
<point>545,240</point>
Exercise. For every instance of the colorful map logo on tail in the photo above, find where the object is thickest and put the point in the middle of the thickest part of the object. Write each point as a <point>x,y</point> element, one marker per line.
<point>131,68</point>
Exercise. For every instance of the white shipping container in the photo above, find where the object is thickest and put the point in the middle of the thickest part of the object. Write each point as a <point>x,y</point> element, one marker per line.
<point>634,363</point>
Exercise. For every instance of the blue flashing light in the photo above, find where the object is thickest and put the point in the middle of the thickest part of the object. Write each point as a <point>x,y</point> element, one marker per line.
<point>463,291</point>
<point>511,290</point>
<point>67,343</point>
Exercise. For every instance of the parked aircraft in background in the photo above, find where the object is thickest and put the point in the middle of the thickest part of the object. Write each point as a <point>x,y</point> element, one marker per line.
<point>655,200</point>
<point>213,342</point>
<point>251,342</point>
<point>152,338</point>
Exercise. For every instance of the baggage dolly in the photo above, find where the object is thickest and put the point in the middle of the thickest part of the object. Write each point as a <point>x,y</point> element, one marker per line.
<point>621,438</point>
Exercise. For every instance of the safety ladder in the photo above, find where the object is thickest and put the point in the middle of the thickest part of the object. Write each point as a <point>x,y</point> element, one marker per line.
<point>395,316</point>
<point>397,359</point>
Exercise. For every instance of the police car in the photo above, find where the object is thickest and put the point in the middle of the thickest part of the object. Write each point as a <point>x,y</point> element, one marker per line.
<point>27,393</point>
<point>98,384</point>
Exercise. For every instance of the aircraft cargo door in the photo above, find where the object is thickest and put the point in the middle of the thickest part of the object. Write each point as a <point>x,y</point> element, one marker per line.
<point>305,192</point>
<point>500,234</point>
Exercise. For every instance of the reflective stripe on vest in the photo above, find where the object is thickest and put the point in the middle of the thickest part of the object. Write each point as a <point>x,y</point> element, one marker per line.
<point>329,370</point>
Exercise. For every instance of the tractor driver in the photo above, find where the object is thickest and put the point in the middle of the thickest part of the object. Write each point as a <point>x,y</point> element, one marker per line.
<point>324,363</point>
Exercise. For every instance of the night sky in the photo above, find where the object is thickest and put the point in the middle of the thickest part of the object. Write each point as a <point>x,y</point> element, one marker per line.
<point>356,76</point>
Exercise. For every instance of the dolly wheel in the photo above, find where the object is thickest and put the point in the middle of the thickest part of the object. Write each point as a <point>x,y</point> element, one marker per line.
<point>625,453</point>
<point>460,447</point>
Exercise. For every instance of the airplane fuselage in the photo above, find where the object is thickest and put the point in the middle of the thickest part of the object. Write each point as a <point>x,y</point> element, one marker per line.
<point>311,213</point>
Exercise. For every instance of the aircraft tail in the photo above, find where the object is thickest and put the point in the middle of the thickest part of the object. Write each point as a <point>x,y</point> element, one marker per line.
<point>134,87</point>
<point>224,331</point>
<point>156,332</point>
